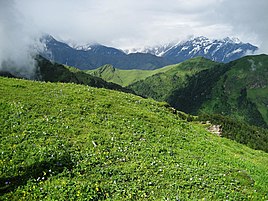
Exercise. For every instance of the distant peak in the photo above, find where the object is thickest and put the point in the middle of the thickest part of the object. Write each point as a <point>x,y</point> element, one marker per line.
<point>200,38</point>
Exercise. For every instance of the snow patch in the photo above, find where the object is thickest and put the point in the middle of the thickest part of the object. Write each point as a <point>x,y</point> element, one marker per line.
<point>206,50</point>
<point>82,47</point>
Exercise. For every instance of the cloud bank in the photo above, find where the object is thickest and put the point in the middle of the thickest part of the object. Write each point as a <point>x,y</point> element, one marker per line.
<point>19,41</point>
<point>131,23</point>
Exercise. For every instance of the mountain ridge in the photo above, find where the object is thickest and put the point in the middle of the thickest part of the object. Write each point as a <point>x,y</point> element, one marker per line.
<point>93,56</point>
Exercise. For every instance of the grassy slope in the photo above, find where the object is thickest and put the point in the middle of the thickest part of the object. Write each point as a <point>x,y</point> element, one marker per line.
<point>70,142</point>
<point>124,77</point>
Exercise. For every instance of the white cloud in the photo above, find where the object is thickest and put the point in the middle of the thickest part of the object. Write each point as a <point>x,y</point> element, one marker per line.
<point>19,42</point>
<point>125,23</point>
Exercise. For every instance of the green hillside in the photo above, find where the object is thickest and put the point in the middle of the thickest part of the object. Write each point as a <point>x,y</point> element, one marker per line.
<point>162,86</point>
<point>124,77</point>
<point>74,142</point>
<point>241,92</point>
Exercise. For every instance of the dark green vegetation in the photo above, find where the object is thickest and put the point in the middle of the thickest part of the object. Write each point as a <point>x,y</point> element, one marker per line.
<point>237,89</point>
<point>161,86</point>
<point>73,142</point>
<point>241,92</point>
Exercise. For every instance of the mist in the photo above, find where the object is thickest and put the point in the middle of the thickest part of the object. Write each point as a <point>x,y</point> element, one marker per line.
<point>19,41</point>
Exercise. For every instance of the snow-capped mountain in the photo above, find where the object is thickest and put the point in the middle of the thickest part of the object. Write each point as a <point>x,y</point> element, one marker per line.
<point>94,56</point>
<point>225,50</point>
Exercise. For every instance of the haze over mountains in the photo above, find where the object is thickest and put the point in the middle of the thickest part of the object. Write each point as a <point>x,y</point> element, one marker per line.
<point>94,56</point>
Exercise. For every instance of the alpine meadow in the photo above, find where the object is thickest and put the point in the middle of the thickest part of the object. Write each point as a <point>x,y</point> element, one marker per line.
<point>81,143</point>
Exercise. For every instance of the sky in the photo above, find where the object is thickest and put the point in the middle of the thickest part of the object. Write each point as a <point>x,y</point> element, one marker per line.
<point>133,23</point>
<point>125,24</point>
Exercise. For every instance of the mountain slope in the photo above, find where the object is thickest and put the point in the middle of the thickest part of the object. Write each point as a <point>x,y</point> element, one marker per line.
<point>129,77</point>
<point>97,144</point>
<point>162,85</point>
<point>225,50</point>
<point>188,86</point>
<point>53,72</point>
<point>243,91</point>
<point>231,89</point>
<point>95,56</point>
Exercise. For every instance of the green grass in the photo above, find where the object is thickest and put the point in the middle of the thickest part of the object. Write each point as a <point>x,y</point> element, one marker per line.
<point>72,142</point>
